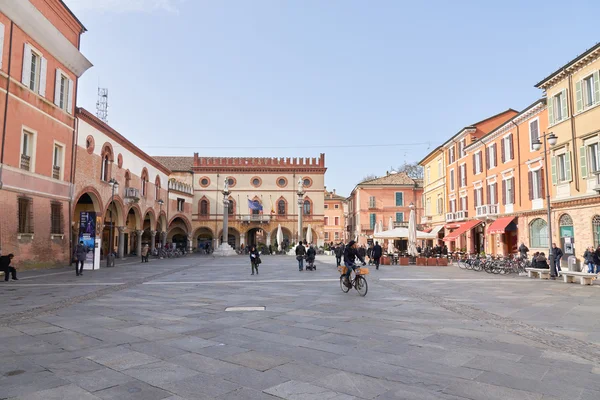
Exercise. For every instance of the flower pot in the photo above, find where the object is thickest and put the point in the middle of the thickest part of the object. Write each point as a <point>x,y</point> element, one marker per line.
<point>385,260</point>
<point>403,260</point>
<point>442,262</point>
<point>432,262</point>
<point>421,261</point>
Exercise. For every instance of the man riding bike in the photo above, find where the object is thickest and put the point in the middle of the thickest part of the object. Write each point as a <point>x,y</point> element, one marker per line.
<point>350,255</point>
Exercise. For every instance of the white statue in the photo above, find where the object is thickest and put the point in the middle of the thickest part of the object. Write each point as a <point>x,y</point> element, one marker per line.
<point>300,185</point>
<point>226,185</point>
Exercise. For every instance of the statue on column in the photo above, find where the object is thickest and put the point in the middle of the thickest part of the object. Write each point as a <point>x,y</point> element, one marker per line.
<point>226,185</point>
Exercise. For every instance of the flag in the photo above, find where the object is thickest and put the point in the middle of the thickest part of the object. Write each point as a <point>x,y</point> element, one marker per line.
<point>255,205</point>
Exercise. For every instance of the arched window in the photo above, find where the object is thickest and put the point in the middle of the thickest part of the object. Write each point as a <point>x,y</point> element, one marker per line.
<point>204,207</point>
<point>307,207</point>
<point>144,182</point>
<point>565,220</point>
<point>231,208</point>
<point>596,230</point>
<point>538,233</point>
<point>157,188</point>
<point>281,207</point>
<point>143,186</point>
<point>105,169</point>
<point>127,179</point>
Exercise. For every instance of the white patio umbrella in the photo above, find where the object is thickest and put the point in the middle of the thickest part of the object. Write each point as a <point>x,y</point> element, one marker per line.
<point>412,232</point>
<point>279,237</point>
<point>390,224</point>
<point>380,229</point>
<point>308,235</point>
<point>375,229</point>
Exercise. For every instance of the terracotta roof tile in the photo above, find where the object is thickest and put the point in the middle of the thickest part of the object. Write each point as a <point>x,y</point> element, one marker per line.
<point>176,163</point>
<point>399,178</point>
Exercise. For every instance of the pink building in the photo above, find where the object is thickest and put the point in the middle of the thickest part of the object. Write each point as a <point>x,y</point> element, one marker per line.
<point>380,199</point>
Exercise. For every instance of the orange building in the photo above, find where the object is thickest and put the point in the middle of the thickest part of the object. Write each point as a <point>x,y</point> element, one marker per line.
<point>336,211</point>
<point>377,200</point>
<point>465,179</point>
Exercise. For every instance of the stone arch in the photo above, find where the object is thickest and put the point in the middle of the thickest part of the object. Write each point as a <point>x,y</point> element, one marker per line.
<point>119,208</point>
<point>284,203</point>
<point>202,236</point>
<point>94,195</point>
<point>150,212</point>
<point>204,207</point>
<point>107,149</point>
<point>161,222</point>
<point>538,233</point>
<point>184,219</point>
<point>308,206</point>
<point>287,234</point>
<point>137,214</point>
<point>234,237</point>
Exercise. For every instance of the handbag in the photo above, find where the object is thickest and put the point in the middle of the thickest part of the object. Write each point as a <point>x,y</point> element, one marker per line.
<point>299,258</point>
<point>257,261</point>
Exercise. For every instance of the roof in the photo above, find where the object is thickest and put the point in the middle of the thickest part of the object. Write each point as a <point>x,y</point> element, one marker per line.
<point>399,178</point>
<point>569,64</point>
<point>73,15</point>
<point>474,126</point>
<point>177,163</point>
<point>334,196</point>
<point>437,149</point>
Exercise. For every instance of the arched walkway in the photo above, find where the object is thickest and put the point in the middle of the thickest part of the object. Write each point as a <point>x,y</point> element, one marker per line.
<point>113,218</point>
<point>234,237</point>
<point>203,236</point>
<point>287,238</point>
<point>87,202</point>
<point>314,238</point>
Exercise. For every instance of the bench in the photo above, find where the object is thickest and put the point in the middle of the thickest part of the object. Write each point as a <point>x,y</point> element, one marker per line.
<point>542,273</point>
<point>584,277</point>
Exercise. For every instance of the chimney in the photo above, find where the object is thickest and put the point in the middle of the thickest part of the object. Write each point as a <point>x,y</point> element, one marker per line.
<point>333,191</point>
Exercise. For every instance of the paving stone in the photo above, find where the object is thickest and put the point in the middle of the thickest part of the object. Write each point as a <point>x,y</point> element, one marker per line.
<point>134,390</point>
<point>160,372</point>
<point>257,360</point>
<point>294,390</point>
<point>99,379</point>
<point>478,390</point>
<point>25,383</point>
<point>247,394</point>
<point>189,343</point>
<point>60,393</point>
<point>122,359</point>
<point>304,372</point>
<point>204,364</point>
<point>156,350</point>
<point>355,385</point>
<point>254,379</point>
<point>201,387</point>
<point>148,332</point>
<point>79,365</point>
<point>507,367</point>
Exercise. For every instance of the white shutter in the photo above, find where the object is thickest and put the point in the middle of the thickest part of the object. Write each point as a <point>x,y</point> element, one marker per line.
<point>564,104</point>
<point>26,65</point>
<point>57,87</point>
<point>43,73</point>
<point>70,97</point>
<point>1,43</point>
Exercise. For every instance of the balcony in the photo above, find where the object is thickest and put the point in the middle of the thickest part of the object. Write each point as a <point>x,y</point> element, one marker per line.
<point>450,217</point>
<point>486,210</point>
<point>401,224</point>
<point>56,172</point>
<point>25,162</point>
<point>425,220</point>
<point>260,218</point>
<point>461,215</point>
<point>132,194</point>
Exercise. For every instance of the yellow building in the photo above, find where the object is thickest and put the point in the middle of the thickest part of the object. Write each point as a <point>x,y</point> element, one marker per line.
<point>434,191</point>
<point>573,97</point>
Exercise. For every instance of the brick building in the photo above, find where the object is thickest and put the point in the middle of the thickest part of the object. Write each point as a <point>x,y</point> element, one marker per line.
<point>40,63</point>
<point>336,214</point>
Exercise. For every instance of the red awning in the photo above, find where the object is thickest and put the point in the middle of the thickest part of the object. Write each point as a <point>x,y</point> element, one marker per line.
<point>464,227</point>
<point>427,230</point>
<point>452,226</point>
<point>499,225</point>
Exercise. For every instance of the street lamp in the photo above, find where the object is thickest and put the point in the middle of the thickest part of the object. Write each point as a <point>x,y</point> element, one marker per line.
<point>537,145</point>
<point>160,204</point>
<point>110,258</point>
<point>300,194</point>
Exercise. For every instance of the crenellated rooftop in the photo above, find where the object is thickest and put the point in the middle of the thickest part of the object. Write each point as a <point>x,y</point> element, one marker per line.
<point>295,163</point>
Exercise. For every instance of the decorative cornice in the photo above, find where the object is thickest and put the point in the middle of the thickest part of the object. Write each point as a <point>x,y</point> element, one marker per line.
<point>571,67</point>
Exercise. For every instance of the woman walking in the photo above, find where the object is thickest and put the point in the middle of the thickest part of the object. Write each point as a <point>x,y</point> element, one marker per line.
<point>254,259</point>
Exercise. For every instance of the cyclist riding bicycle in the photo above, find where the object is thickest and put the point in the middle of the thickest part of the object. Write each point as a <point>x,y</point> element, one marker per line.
<point>350,255</point>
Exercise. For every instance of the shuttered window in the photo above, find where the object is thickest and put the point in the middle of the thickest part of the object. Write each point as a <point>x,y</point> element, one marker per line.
<point>534,133</point>
<point>372,220</point>
<point>56,218</point>
<point>399,199</point>
<point>25,215</point>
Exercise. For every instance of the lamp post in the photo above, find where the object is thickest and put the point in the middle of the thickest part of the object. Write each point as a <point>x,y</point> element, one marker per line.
<point>537,144</point>
<point>300,194</point>
<point>226,192</point>
<point>160,204</point>
<point>110,258</point>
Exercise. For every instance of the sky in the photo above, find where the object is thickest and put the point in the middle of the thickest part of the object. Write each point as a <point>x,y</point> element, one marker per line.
<point>372,84</point>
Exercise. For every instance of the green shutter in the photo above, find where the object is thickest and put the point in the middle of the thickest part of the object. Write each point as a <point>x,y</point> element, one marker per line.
<point>372,218</point>
<point>596,87</point>
<point>550,111</point>
<point>565,108</point>
<point>583,159</point>
<point>399,199</point>
<point>568,167</point>
<point>553,163</point>
<point>579,97</point>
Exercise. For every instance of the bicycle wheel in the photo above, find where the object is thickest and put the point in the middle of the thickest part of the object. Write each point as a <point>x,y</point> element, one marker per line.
<point>360,284</point>
<point>344,288</point>
<point>462,264</point>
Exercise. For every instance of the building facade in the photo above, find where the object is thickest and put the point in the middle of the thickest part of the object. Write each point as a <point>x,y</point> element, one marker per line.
<point>40,63</point>
<point>336,212</point>
<point>377,200</point>
<point>264,195</point>
<point>434,193</point>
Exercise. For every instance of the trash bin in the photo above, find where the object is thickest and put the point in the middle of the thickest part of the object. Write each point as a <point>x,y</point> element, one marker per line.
<point>572,264</point>
<point>110,260</point>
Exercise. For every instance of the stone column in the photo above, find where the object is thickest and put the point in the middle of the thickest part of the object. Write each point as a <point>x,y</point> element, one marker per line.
<point>139,242</point>
<point>300,204</point>
<point>153,240</point>
<point>163,237</point>
<point>225,220</point>
<point>268,239</point>
<point>190,243</point>
<point>242,239</point>
<point>121,247</point>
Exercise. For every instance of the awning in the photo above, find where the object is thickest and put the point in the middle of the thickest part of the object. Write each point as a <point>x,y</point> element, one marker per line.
<point>437,229</point>
<point>452,226</point>
<point>499,225</point>
<point>427,230</point>
<point>464,227</point>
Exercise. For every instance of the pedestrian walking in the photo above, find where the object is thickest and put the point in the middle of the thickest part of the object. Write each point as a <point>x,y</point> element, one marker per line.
<point>339,253</point>
<point>557,254</point>
<point>377,253</point>
<point>310,258</point>
<point>145,251</point>
<point>362,252</point>
<point>588,259</point>
<point>7,268</point>
<point>300,253</point>
<point>370,254</point>
<point>597,260</point>
<point>80,254</point>
<point>523,250</point>
<point>254,259</point>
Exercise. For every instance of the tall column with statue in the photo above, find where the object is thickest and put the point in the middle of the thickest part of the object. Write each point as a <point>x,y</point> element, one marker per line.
<point>225,249</point>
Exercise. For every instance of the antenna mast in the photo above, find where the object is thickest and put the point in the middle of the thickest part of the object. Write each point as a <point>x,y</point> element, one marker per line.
<point>102,104</point>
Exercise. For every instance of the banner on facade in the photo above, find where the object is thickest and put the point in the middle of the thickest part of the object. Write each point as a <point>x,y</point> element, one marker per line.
<point>87,235</point>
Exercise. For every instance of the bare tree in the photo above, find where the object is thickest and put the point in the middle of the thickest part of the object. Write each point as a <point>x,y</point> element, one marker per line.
<point>413,170</point>
<point>369,177</point>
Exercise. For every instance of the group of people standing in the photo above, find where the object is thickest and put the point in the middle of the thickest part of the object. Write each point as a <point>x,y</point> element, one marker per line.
<point>591,258</point>
<point>373,252</point>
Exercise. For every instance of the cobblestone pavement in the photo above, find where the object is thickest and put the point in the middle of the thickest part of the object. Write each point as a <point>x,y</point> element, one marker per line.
<point>160,331</point>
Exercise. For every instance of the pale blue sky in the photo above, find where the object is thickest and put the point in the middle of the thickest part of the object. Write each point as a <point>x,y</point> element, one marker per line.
<point>188,75</point>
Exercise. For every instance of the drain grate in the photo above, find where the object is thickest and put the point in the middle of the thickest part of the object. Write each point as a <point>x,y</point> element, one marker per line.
<point>261,308</point>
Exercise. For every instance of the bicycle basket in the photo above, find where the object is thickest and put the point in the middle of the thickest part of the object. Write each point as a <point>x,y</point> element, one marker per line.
<point>342,270</point>
<point>362,271</point>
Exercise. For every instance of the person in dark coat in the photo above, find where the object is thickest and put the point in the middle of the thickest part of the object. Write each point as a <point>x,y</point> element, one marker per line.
<point>542,261</point>
<point>370,254</point>
<point>523,250</point>
<point>350,255</point>
<point>557,254</point>
<point>597,260</point>
<point>8,270</point>
<point>254,259</point>
<point>377,253</point>
<point>444,250</point>
<point>588,259</point>
<point>310,257</point>
<point>80,255</point>
<point>300,253</point>
<point>362,252</point>
<point>339,253</point>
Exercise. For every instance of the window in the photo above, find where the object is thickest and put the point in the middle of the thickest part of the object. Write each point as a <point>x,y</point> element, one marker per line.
<point>453,206</point>
<point>337,221</point>
<point>399,217</point>
<point>562,167</point>
<point>428,206</point>
<point>27,151</point>
<point>538,233</point>
<point>281,207</point>
<point>104,173</point>
<point>508,191</point>
<point>56,219</point>
<point>399,199</point>
<point>256,181</point>
<point>231,181</point>
<point>477,167</point>
<point>231,207</point>
<point>463,204</point>
<point>63,91</point>
<point>25,215</point>
<point>507,148</point>
<point>491,194</point>
<point>461,148</point>
<point>157,189</point>
<point>144,187</point>
<point>478,197</point>
<point>204,181</point>
<point>440,174</point>
<point>204,208</point>
<point>451,155</point>
<point>452,180</point>
<point>463,175</point>
<point>326,206</point>
<point>590,88</point>
<point>326,235</point>
<point>536,185</point>
<point>337,235</point>
<point>594,157</point>
<point>180,204</point>
<point>596,230</point>
<point>534,133</point>
<point>307,182</point>
<point>34,70</point>
<point>492,156</point>
<point>372,220</point>
<point>372,203</point>
<point>57,161</point>
<point>440,205</point>
<point>557,107</point>
<point>428,176</point>
<point>326,222</point>
<point>307,207</point>
<point>336,206</point>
